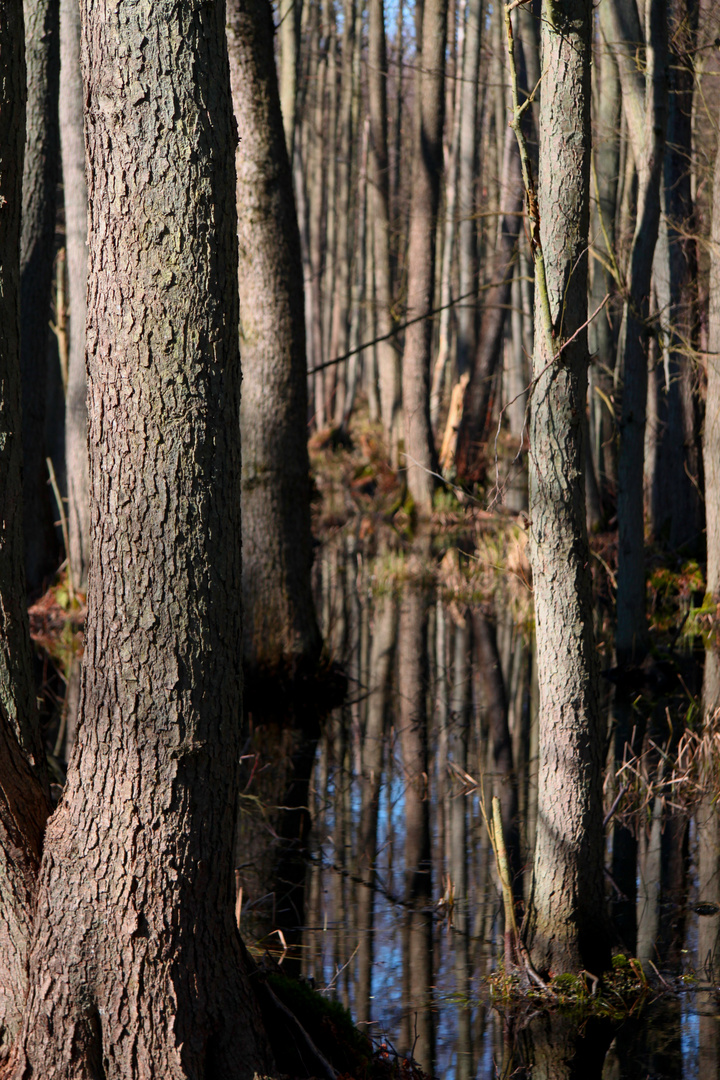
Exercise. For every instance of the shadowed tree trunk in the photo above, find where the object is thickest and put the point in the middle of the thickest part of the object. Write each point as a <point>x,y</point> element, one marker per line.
<point>676,509</point>
<point>136,968</point>
<point>281,636</point>
<point>566,926</point>
<point>426,170</point>
<point>37,252</point>
<point>23,807</point>
<point>75,192</point>
<point>645,103</point>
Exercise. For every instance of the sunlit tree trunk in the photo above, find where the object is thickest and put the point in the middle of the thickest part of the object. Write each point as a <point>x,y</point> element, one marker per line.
<point>565,926</point>
<point>136,967</point>
<point>467,178</point>
<point>426,170</point>
<point>75,192</point>
<point>388,356</point>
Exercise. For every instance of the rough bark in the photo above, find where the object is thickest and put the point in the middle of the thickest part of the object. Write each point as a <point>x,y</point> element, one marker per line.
<point>280,627</point>
<point>37,251</point>
<point>566,923</point>
<point>426,170</point>
<point>23,807</point>
<point>72,141</point>
<point>136,968</point>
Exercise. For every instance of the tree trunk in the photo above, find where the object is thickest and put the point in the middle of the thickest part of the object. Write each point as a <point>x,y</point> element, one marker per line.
<point>566,923</point>
<point>75,192</point>
<point>676,510</point>
<point>290,17</point>
<point>388,356</point>
<point>281,636</point>
<point>136,968</point>
<point>37,254</point>
<point>645,106</point>
<point>467,178</point>
<point>426,169</point>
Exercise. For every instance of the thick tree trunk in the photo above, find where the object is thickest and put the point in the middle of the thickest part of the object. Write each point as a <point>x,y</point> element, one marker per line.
<point>566,923</point>
<point>75,192</point>
<point>426,169</point>
<point>136,967</point>
<point>23,807</point>
<point>37,252</point>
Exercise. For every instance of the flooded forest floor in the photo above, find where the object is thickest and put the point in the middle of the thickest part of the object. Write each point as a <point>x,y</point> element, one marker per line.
<point>401,914</point>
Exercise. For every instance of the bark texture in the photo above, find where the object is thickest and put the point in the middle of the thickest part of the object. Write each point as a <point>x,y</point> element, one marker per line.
<point>37,252</point>
<point>566,923</point>
<point>72,141</point>
<point>426,170</point>
<point>280,625</point>
<point>136,967</point>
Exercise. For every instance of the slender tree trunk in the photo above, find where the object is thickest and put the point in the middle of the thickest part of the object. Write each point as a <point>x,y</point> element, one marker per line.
<point>281,635</point>
<point>75,192</point>
<point>426,169</point>
<point>461,719</point>
<point>566,925</point>
<point>136,968</point>
<point>676,511</point>
<point>646,106</point>
<point>290,19</point>
<point>37,253</point>
<point>388,356</point>
<point>448,230</point>
<point>467,178</point>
